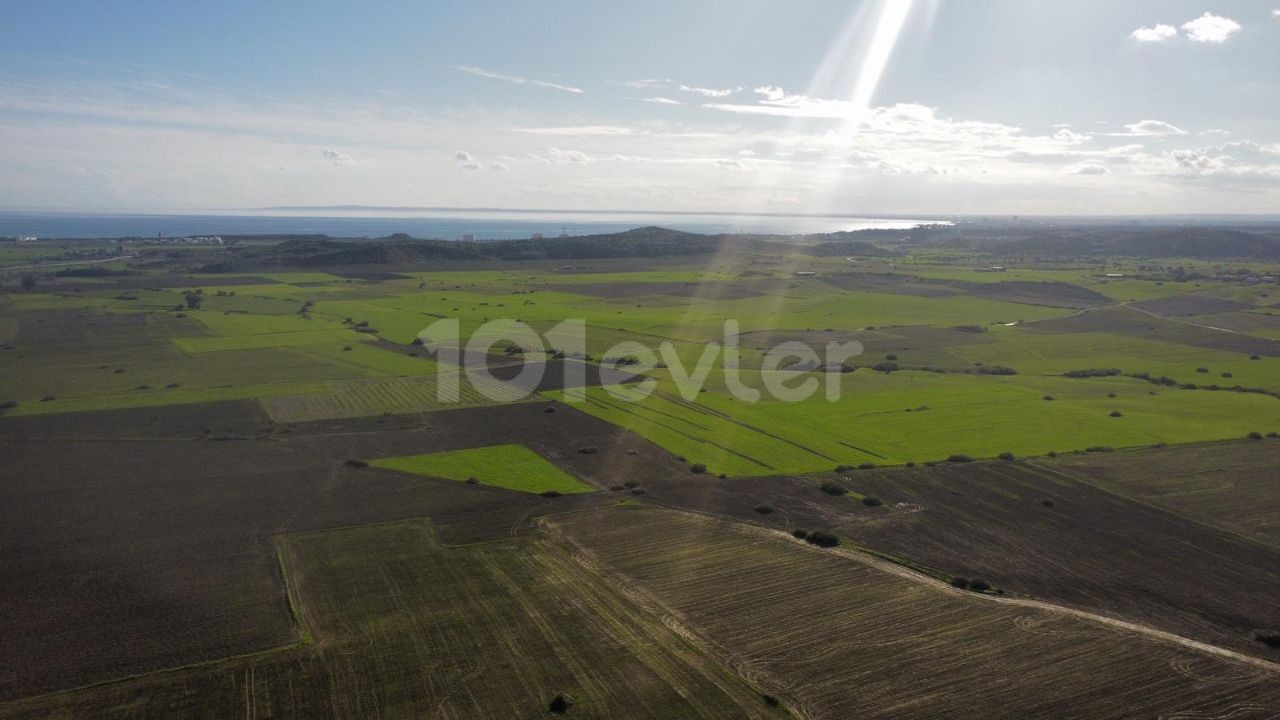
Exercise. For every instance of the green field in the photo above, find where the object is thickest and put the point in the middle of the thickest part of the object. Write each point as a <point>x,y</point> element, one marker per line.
<point>513,467</point>
<point>906,416</point>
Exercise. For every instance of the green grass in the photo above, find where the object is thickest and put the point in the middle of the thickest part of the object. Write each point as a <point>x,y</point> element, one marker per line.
<point>513,467</point>
<point>890,419</point>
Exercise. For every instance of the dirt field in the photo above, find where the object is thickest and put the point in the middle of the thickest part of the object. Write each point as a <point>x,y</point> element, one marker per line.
<point>156,552</point>
<point>839,638</point>
<point>1190,304</point>
<point>1229,485</point>
<point>1135,323</point>
<point>404,627</point>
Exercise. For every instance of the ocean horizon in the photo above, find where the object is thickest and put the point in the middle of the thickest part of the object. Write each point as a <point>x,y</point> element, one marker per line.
<point>487,224</point>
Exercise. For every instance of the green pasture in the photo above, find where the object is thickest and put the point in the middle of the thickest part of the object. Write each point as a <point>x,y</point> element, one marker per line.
<point>917,416</point>
<point>513,467</point>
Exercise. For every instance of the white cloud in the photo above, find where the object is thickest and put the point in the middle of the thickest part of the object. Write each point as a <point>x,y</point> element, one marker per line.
<point>711,92</point>
<point>661,101</point>
<point>1087,169</point>
<point>338,158</point>
<point>465,161</point>
<point>517,79</point>
<point>1152,128</point>
<point>1210,28</point>
<point>1069,136</point>
<point>556,156</point>
<point>499,166</point>
<point>646,83</point>
<point>579,130</point>
<point>1275,14</point>
<point>1157,33</point>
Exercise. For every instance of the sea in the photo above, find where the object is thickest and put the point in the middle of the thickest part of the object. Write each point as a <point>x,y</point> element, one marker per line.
<point>437,224</point>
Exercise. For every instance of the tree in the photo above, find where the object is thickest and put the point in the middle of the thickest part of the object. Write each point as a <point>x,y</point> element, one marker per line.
<point>193,300</point>
<point>28,282</point>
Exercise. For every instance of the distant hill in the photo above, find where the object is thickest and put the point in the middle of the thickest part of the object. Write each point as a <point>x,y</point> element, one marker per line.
<point>398,249</point>
<point>843,248</point>
<point>1191,242</point>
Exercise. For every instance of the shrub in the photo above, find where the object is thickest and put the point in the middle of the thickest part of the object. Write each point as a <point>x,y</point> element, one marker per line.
<point>1099,449</point>
<point>1111,395</point>
<point>960,582</point>
<point>822,538</point>
<point>890,357</point>
<point>637,491</point>
<point>1227,375</point>
<point>1046,502</point>
<point>589,450</point>
<point>1116,413</point>
<point>1273,434</point>
<point>1202,369</point>
<point>48,398</point>
<point>979,585</point>
<point>1007,456</point>
<point>559,705</point>
<point>616,488</point>
<point>800,534</point>
<point>872,501</point>
<point>910,464</point>
<point>867,466</point>
<point>769,700</point>
<point>550,493</point>
<point>697,468</point>
<point>763,508</point>
<point>1270,638</point>
<point>473,481</point>
<point>1255,436</point>
<point>832,488</point>
<point>357,463</point>
<point>722,476</point>
<point>548,409</point>
<point>631,484</point>
<point>1048,397</point>
<point>959,458</point>
<point>8,404</point>
<point>970,328</point>
<point>997,370</point>
<point>844,468</point>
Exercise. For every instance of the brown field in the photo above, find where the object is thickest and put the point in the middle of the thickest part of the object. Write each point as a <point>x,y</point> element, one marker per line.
<point>153,546</point>
<point>1051,294</point>
<point>889,283</point>
<point>1091,550</point>
<point>1234,486</point>
<point>838,635</point>
<point>1135,323</point>
<point>397,625</point>
<point>1191,304</point>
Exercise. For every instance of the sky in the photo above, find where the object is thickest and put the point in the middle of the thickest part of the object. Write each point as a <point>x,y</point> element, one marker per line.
<point>919,107</point>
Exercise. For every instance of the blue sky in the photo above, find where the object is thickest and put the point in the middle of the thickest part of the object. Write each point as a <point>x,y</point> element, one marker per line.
<point>884,106</point>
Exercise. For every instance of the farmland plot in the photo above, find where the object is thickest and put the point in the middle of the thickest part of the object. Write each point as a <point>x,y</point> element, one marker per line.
<point>840,637</point>
<point>404,627</point>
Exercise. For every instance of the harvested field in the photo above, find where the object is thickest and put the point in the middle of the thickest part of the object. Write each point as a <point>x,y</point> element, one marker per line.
<point>354,398</point>
<point>1087,548</point>
<point>1049,293</point>
<point>404,627</point>
<point>166,543</point>
<point>838,636</point>
<point>889,283</point>
<point>1135,323</point>
<point>1191,304</point>
<point>1229,485</point>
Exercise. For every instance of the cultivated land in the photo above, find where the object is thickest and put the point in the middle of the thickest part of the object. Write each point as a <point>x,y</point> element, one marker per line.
<point>236,480</point>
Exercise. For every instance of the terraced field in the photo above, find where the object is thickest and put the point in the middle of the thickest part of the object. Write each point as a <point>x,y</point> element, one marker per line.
<point>839,636</point>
